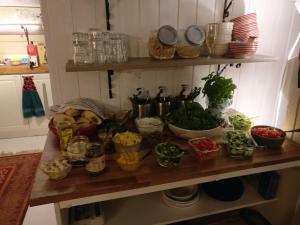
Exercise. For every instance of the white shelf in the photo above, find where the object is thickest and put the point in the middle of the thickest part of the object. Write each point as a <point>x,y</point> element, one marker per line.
<point>149,209</point>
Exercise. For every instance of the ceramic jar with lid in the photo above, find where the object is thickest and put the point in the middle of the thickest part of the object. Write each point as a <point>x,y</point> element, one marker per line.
<point>189,42</point>
<point>96,156</point>
<point>162,43</point>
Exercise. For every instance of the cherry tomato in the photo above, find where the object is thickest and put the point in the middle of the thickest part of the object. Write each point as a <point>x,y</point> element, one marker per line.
<point>267,132</point>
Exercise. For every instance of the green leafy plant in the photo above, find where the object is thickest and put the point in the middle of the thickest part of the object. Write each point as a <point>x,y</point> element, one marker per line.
<point>192,116</point>
<point>218,89</point>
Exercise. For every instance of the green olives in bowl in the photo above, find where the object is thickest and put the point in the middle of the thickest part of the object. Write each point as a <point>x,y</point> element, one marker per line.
<point>168,154</point>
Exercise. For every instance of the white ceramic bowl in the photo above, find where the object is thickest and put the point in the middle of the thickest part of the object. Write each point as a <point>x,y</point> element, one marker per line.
<point>221,40</point>
<point>189,134</point>
<point>220,49</point>
<point>225,25</point>
<point>149,125</point>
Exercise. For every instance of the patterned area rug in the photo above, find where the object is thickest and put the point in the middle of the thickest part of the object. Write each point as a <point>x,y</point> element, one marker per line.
<point>16,177</point>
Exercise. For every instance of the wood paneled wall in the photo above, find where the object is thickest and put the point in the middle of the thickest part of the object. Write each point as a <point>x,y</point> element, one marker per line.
<point>258,84</point>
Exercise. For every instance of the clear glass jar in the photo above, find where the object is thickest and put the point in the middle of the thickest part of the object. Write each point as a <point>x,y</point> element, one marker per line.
<point>158,50</point>
<point>186,49</point>
<point>82,48</point>
<point>95,154</point>
<point>77,148</point>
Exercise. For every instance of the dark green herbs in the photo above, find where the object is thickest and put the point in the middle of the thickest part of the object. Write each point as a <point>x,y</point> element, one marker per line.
<point>192,116</point>
<point>168,155</point>
<point>169,150</point>
<point>218,89</point>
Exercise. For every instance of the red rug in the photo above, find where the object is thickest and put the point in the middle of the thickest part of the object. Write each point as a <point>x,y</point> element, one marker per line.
<point>16,177</point>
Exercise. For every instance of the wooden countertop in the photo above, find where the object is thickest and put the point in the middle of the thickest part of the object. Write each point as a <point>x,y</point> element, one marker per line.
<point>24,69</point>
<point>115,183</point>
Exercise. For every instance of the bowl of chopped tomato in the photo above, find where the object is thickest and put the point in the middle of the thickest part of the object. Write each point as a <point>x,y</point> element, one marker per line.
<point>268,136</point>
<point>204,148</point>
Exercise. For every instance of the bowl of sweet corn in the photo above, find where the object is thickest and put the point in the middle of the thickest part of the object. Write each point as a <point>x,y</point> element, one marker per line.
<point>129,160</point>
<point>127,141</point>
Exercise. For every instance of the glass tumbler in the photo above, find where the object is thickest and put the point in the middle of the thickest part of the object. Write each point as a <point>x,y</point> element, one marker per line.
<point>100,49</point>
<point>116,48</point>
<point>82,48</point>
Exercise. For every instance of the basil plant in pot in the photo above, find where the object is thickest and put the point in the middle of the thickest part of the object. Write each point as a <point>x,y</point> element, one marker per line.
<point>219,92</point>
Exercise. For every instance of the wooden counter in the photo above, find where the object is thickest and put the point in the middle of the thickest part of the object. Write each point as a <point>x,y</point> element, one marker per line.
<point>81,188</point>
<point>13,70</point>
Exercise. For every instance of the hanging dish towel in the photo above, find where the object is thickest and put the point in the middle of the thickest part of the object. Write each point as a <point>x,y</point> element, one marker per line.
<point>32,105</point>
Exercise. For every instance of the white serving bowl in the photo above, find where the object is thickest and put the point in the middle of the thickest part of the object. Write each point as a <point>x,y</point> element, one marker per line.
<point>189,134</point>
<point>220,40</point>
<point>220,49</point>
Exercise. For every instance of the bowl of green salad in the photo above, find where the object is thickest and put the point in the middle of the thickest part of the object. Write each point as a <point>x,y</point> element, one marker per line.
<point>240,122</point>
<point>168,154</point>
<point>193,121</point>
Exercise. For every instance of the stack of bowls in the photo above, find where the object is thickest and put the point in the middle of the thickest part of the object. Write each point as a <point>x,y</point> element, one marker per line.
<point>245,34</point>
<point>243,49</point>
<point>181,197</point>
<point>245,27</point>
<point>223,38</point>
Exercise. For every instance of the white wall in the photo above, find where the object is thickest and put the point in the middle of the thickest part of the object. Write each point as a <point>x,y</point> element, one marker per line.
<point>258,84</point>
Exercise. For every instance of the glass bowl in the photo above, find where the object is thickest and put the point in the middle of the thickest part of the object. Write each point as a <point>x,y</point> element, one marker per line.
<point>56,169</point>
<point>129,160</point>
<point>168,155</point>
<point>236,148</point>
<point>121,142</point>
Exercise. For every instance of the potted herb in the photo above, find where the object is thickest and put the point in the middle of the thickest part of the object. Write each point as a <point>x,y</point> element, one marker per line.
<point>219,92</point>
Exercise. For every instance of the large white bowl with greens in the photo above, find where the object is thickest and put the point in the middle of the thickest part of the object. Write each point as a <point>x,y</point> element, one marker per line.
<point>189,134</point>
<point>193,121</point>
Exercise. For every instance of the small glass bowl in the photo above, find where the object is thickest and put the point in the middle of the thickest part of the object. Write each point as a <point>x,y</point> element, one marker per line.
<point>166,160</point>
<point>241,152</point>
<point>120,148</point>
<point>129,160</point>
<point>204,154</point>
<point>56,169</point>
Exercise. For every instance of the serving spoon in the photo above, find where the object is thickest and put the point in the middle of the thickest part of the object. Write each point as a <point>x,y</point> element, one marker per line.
<point>295,130</point>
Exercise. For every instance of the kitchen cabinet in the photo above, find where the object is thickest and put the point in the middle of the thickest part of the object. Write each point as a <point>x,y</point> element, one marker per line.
<point>12,123</point>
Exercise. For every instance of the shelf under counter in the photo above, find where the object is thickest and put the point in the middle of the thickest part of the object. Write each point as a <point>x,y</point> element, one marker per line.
<point>149,63</point>
<point>149,209</point>
<point>81,188</point>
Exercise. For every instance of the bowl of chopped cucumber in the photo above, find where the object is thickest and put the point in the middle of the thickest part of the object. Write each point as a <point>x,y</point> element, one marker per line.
<point>238,144</point>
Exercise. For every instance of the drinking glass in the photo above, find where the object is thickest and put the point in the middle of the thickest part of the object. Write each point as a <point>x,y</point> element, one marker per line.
<point>81,48</point>
<point>211,34</point>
